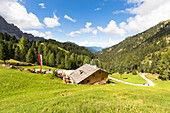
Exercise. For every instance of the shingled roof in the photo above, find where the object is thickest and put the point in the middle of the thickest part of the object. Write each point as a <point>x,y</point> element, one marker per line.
<point>83,72</point>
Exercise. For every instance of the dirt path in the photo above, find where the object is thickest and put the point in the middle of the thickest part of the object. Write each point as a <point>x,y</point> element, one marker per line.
<point>150,83</point>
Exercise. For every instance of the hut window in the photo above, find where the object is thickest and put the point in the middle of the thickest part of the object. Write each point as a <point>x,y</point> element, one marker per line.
<point>88,81</point>
<point>102,78</point>
<point>81,71</point>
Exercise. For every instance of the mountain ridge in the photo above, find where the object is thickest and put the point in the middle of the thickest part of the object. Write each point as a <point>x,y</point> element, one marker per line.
<point>13,30</point>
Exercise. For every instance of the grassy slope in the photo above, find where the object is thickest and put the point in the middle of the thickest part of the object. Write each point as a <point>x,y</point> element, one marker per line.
<point>13,61</point>
<point>28,92</point>
<point>130,78</point>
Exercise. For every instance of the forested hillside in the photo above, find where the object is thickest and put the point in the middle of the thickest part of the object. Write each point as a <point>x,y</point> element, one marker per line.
<point>56,54</point>
<point>148,51</point>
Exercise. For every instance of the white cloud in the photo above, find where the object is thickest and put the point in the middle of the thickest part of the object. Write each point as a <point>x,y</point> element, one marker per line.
<point>60,30</point>
<point>16,13</point>
<point>99,44</point>
<point>42,5</point>
<point>87,29</point>
<point>69,18</point>
<point>119,11</point>
<point>46,35</point>
<point>112,29</point>
<point>148,13</point>
<point>52,22</point>
<point>135,1</point>
<point>97,9</point>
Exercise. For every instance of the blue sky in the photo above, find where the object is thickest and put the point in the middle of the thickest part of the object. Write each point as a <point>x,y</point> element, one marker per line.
<point>100,23</point>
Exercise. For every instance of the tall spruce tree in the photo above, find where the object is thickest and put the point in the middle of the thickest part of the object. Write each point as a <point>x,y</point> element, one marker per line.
<point>45,51</point>
<point>48,56</point>
<point>23,48</point>
<point>66,62</point>
<point>52,60</point>
<point>30,57</point>
<point>17,53</point>
<point>121,69</point>
<point>3,51</point>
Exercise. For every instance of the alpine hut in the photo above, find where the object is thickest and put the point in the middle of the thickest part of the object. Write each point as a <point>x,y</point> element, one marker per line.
<point>89,74</point>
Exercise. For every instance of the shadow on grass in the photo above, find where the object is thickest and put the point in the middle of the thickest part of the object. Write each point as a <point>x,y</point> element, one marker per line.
<point>125,78</point>
<point>110,82</point>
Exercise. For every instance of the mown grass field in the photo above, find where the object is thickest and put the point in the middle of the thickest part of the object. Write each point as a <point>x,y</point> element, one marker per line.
<point>129,78</point>
<point>22,91</point>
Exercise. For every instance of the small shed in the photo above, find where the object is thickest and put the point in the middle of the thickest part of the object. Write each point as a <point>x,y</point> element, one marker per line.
<point>89,74</point>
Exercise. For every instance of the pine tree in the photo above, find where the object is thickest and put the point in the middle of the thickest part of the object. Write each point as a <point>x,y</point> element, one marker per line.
<point>58,58</point>
<point>10,50</point>
<point>69,64</point>
<point>66,62</point>
<point>1,36</point>
<point>73,61</point>
<point>37,44</point>
<point>121,69</point>
<point>45,50</point>
<point>40,49</point>
<point>48,56</point>
<point>3,51</point>
<point>30,57</point>
<point>6,37</point>
<point>23,48</point>
<point>86,60</point>
<point>52,59</point>
<point>17,53</point>
<point>62,62</point>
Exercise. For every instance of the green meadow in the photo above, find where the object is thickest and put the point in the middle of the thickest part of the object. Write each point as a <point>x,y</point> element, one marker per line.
<point>22,91</point>
<point>129,78</point>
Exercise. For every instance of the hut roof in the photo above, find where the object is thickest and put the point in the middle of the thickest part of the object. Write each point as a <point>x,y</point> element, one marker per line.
<point>83,72</point>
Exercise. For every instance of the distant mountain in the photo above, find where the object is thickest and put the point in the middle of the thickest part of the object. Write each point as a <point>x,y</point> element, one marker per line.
<point>13,30</point>
<point>94,49</point>
<point>135,52</point>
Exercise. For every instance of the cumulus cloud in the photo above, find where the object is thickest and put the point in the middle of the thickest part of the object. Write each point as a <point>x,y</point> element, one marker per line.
<point>42,5</point>
<point>147,14</point>
<point>16,13</point>
<point>97,9</point>
<point>60,30</point>
<point>87,29</point>
<point>99,44</point>
<point>119,11</point>
<point>112,29</point>
<point>46,35</point>
<point>135,1</point>
<point>69,18</point>
<point>52,22</point>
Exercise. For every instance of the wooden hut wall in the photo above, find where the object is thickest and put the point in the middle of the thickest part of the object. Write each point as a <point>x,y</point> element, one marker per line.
<point>98,76</point>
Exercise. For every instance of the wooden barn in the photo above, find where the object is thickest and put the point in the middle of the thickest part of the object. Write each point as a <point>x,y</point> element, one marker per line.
<point>89,74</point>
